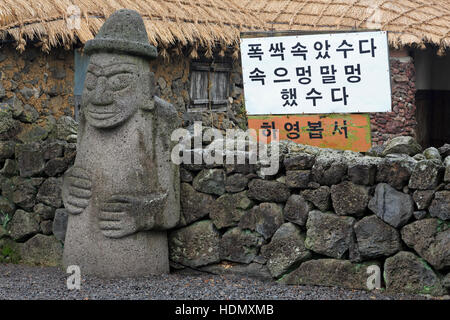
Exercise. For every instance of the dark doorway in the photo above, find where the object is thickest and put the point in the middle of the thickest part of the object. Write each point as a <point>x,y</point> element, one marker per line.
<point>433,117</point>
<point>432,97</point>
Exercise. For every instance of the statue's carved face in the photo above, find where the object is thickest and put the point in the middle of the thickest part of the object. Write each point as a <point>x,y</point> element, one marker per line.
<point>113,89</point>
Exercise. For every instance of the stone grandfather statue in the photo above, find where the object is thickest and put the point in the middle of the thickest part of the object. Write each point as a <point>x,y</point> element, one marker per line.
<point>123,191</point>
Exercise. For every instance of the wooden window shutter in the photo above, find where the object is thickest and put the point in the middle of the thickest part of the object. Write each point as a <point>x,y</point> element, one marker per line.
<point>209,85</point>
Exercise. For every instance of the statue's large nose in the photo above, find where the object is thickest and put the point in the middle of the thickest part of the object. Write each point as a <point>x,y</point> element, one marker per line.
<point>101,95</point>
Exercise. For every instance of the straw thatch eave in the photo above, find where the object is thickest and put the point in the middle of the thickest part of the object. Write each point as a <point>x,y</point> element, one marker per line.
<point>412,23</point>
<point>212,24</point>
<point>181,23</point>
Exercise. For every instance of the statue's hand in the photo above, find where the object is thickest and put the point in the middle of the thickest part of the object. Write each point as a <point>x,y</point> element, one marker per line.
<point>77,190</point>
<point>123,215</point>
<point>118,216</point>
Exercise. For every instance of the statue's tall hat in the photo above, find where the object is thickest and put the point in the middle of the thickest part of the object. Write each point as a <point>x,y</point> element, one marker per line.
<point>124,32</point>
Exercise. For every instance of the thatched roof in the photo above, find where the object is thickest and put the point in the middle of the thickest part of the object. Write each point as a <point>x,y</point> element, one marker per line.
<point>182,23</point>
<point>217,23</point>
<point>410,22</point>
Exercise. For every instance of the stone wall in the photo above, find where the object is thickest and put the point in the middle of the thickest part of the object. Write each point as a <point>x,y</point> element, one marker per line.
<point>42,85</point>
<point>402,120</point>
<point>37,145</point>
<point>323,219</point>
<point>325,210</point>
<point>173,84</point>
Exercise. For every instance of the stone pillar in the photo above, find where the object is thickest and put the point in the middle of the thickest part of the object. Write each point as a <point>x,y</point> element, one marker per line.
<point>402,120</point>
<point>123,191</point>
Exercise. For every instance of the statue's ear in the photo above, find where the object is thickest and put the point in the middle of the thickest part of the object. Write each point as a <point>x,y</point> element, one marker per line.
<point>149,92</point>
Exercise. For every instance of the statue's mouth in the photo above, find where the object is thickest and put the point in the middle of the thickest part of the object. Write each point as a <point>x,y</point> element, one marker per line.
<point>101,112</point>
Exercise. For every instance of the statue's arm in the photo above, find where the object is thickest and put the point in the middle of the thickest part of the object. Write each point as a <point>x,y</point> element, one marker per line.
<point>76,190</point>
<point>122,215</point>
<point>77,184</point>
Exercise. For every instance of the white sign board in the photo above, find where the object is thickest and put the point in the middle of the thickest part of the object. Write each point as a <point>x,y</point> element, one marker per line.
<point>317,73</point>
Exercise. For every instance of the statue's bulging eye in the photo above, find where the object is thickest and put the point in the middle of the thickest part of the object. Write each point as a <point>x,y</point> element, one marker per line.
<point>119,81</point>
<point>90,81</point>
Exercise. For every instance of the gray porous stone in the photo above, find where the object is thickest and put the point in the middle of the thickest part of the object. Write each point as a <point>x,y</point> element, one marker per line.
<point>432,153</point>
<point>55,167</point>
<point>395,171</point>
<point>23,225</point>
<point>298,178</point>
<point>330,272</point>
<point>320,197</point>
<point>427,174</point>
<point>253,270</point>
<point>296,209</point>
<point>444,150</point>
<point>195,245</point>
<point>6,206</point>
<point>46,227</point>
<point>29,114</point>
<point>349,198</point>
<point>27,93</point>
<point>50,192</point>
<point>9,168</point>
<point>236,182</point>
<point>7,124</point>
<point>423,198</point>
<point>194,205</point>
<point>406,273</point>
<point>375,151</point>
<point>376,238</point>
<point>240,245</point>
<point>33,133</point>
<point>64,128</point>
<point>122,193</point>
<point>392,206</point>
<point>23,193</point>
<point>264,219</point>
<point>302,161</point>
<point>447,169</point>
<point>421,214</point>
<point>30,159</point>
<point>402,144</point>
<point>329,234</point>
<point>2,91</point>
<point>286,250</point>
<point>440,206</point>
<point>44,212</point>
<point>245,168</point>
<point>59,227</point>
<point>329,169</point>
<point>16,105</point>
<point>42,250</point>
<point>7,149</point>
<point>362,173</point>
<point>229,208</point>
<point>52,149</point>
<point>430,238</point>
<point>3,232</point>
<point>266,190</point>
<point>185,175</point>
<point>210,181</point>
<point>446,281</point>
